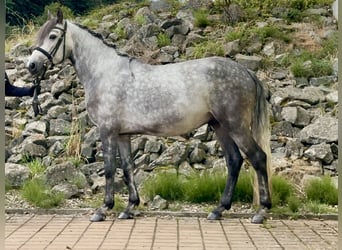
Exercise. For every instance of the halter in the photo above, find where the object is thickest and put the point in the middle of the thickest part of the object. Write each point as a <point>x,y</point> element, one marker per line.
<point>52,53</point>
<point>35,102</point>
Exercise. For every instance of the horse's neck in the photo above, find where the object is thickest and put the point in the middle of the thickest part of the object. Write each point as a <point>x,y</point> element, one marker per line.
<point>91,57</point>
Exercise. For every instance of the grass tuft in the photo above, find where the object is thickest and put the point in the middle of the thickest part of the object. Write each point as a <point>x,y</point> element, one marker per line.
<point>35,192</point>
<point>322,191</point>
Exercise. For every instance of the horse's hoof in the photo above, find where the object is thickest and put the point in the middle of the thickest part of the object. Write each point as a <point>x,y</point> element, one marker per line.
<point>98,217</point>
<point>125,216</point>
<point>258,219</point>
<point>214,216</point>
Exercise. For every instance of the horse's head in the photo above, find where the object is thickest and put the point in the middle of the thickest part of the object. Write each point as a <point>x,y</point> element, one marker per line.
<point>51,46</point>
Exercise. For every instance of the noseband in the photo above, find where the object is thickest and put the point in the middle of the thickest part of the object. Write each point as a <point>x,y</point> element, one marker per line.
<point>52,53</point>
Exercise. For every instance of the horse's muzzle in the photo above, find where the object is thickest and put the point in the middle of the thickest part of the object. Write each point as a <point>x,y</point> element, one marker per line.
<point>35,68</point>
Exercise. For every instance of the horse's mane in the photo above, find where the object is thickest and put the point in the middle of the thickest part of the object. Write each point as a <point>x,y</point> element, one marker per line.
<point>99,36</point>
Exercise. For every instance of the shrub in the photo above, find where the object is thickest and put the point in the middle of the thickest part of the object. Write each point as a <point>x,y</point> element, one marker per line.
<point>294,203</point>
<point>201,18</point>
<point>36,167</point>
<point>163,39</point>
<point>244,188</point>
<point>209,48</point>
<point>167,185</point>
<point>282,190</point>
<point>53,7</point>
<point>204,187</point>
<point>38,194</point>
<point>322,191</point>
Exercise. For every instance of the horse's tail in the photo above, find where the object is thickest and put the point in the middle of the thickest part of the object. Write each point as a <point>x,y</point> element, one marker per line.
<point>261,131</point>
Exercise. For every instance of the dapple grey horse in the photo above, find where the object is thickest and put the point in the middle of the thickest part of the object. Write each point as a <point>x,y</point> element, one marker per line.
<point>125,96</point>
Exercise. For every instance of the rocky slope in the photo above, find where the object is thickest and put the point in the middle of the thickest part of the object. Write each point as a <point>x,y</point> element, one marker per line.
<point>303,109</point>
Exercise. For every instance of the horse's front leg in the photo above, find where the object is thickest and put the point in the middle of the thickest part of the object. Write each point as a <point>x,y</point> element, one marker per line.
<point>109,146</point>
<point>127,165</point>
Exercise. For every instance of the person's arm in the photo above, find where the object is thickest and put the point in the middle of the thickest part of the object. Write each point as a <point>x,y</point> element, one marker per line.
<point>11,90</point>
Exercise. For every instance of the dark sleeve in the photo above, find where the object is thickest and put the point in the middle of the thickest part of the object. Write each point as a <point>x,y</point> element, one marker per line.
<point>11,90</point>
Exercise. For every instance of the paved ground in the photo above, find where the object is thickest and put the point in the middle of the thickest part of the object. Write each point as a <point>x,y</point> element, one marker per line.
<point>33,232</point>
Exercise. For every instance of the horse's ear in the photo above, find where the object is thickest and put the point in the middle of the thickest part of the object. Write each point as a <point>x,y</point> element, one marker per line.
<point>49,15</point>
<point>59,16</point>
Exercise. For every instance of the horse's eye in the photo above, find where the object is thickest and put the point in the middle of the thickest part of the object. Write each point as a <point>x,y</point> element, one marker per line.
<point>52,37</point>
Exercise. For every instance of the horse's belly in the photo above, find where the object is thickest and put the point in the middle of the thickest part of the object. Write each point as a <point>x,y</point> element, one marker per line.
<point>165,127</point>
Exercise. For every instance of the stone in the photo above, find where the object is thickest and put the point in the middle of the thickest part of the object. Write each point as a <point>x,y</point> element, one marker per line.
<point>294,149</point>
<point>159,203</point>
<point>311,95</point>
<point>251,62</point>
<point>332,97</point>
<point>60,127</point>
<point>152,146</point>
<point>33,150</point>
<point>321,152</point>
<point>296,115</point>
<point>69,190</point>
<point>323,129</point>
<point>36,127</point>
<point>64,172</point>
<point>268,49</point>
<point>232,48</point>
<point>197,155</point>
<point>323,80</point>
<point>16,174</point>
<point>172,156</point>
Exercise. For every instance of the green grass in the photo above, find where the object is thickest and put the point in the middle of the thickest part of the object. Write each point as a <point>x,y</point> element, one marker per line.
<point>201,18</point>
<point>322,191</point>
<point>208,48</point>
<point>36,167</point>
<point>196,188</point>
<point>204,187</point>
<point>167,185</point>
<point>282,190</point>
<point>163,39</point>
<point>35,192</point>
<point>244,188</point>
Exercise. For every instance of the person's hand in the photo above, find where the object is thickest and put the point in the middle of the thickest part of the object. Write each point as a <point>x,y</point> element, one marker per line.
<point>33,88</point>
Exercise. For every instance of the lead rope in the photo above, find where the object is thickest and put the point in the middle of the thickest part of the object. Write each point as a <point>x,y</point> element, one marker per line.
<point>35,101</point>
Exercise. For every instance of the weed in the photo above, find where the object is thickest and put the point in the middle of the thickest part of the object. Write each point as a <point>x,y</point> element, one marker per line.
<point>36,167</point>
<point>38,194</point>
<point>317,208</point>
<point>167,185</point>
<point>163,39</point>
<point>234,35</point>
<point>244,188</point>
<point>208,48</point>
<point>79,181</point>
<point>73,145</point>
<point>204,187</point>
<point>294,203</point>
<point>322,191</point>
<point>120,32</point>
<point>8,185</point>
<point>271,31</point>
<point>282,190</point>
<point>90,23</point>
<point>201,18</point>
<point>140,20</point>
<point>53,7</point>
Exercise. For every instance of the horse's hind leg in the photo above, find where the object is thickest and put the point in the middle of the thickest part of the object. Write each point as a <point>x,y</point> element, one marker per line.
<point>127,166</point>
<point>234,161</point>
<point>258,159</point>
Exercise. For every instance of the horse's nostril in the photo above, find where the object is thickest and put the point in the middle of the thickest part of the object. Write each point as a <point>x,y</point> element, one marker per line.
<point>32,66</point>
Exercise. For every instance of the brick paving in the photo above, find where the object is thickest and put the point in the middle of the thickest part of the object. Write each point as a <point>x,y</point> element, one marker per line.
<point>59,232</point>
